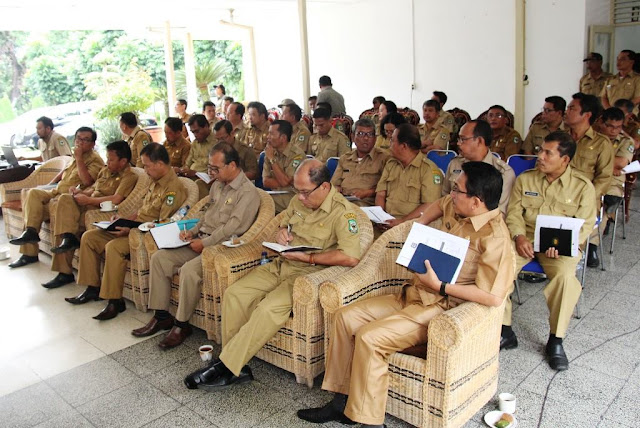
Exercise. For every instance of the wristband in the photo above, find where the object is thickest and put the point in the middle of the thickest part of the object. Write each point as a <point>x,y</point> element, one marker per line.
<point>443,285</point>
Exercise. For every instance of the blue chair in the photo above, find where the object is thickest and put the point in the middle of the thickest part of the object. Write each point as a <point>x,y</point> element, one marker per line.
<point>258,180</point>
<point>441,158</point>
<point>534,268</point>
<point>496,155</point>
<point>332,164</point>
<point>521,163</point>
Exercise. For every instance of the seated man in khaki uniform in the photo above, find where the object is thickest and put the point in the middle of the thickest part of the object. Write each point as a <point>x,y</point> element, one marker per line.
<point>445,119</point>
<point>625,84</point>
<point>177,146</point>
<point>234,114</point>
<point>595,79</point>
<point>223,131</point>
<point>292,113</point>
<point>81,173</point>
<point>209,111</point>
<point>367,332</point>
<point>359,171</point>
<point>409,179</point>
<point>553,188</point>
<point>327,142</point>
<point>505,141</point>
<point>280,162</point>
<point>234,205</point>
<point>198,158</point>
<point>114,183</point>
<point>134,135</point>
<point>256,136</point>
<point>50,143</point>
<point>631,126</point>
<point>255,307</point>
<point>165,196</point>
<point>550,121</point>
<point>433,134</point>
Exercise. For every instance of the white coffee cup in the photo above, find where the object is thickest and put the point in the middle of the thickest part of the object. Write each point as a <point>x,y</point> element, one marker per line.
<point>206,353</point>
<point>5,253</point>
<point>507,402</point>
<point>106,206</point>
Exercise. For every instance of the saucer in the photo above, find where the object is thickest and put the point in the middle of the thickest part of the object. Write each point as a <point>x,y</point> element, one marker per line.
<point>230,245</point>
<point>492,417</point>
<point>108,211</point>
<point>145,227</point>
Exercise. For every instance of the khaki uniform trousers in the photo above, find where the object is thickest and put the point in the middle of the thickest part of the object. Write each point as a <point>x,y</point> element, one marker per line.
<point>36,210</point>
<point>255,307</point>
<point>562,292</point>
<point>92,245</point>
<point>164,264</point>
<point>364,335</point>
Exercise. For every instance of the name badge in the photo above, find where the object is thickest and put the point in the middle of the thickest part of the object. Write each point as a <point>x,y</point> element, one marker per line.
<point>528,193</point>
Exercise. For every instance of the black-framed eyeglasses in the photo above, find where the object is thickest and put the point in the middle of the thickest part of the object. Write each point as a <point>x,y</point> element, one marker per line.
<point>463,139</point>
<point>306,193</point>
<point>456,189</point>
<point>365,134</point>
<point>548,110</point>
<point>83,140</point>
<point>214,169</point>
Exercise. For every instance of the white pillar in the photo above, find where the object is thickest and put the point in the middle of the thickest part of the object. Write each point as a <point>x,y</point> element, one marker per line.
<point>190,74</point>
<point>168,67</point>
<point>304,54</point>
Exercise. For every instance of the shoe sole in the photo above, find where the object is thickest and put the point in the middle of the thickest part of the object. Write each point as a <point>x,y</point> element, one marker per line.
<point>218,388</point>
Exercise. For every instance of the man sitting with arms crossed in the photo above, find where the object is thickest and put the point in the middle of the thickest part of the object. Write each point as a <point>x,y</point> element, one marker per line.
<point>367,332</point>
<point>327,141</point>
<point>234,204</point>
<point>255,307</point>
<point>551,120</point>
<point>553,188</point>
<point>177,146</point>
<point>505,140</point>
<point>434,135</point>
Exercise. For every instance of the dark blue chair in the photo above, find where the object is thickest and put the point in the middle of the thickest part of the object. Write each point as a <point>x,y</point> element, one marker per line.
<point>521,163</point>
<point>441,158</point>
<point>332,164</point>
<point>258,180</point>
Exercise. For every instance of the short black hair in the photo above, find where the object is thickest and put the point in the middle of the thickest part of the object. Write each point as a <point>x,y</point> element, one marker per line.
<point>498,107</point>
<point>441,96</point>
<point>321,113</point>
<point>566,145</point>
<point>612,113</point>
<point>409,135</point>
<point>295,110</point>
<point>182,101</point>
<point>239,108</point>
<point>46,122</point>
<point>284,128</point>
<point>129,119</point>
<point>395,118</point>
<point>432,103</point>
<point>624,104</point>
<point>121,149</point>
<point>589,104</point>
<point>482,129</point>
<point>174,124</point>
<point>558,102</point>
<point>228,98</point>
<point>199,119</point>
<point>221,86</point>
<point>313,98</point>
<point>380,99</point>
<point>230,153</point>
<point>391,106</point>
<point>484,182</point>
<point>94,134</point>
<point>207,104</point>
<point>156,153</point>
<point>326,106</point>
<point>260,107</point>
<point>319,174</point>
<point>325,81</point>
<point>223,124</point>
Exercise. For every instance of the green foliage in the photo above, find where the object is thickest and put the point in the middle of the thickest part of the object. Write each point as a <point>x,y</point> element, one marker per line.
<point>108,131</point>
<point>206,75</point>
<point>6,110</point>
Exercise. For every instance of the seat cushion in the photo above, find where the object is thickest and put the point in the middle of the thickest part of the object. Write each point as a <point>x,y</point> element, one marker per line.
<point>13,205</point>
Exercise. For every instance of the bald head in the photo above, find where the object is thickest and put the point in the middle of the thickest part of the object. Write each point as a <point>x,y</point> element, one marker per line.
<point>314,170</point>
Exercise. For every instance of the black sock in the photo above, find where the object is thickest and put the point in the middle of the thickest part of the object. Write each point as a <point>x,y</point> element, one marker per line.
<point>114,301</point>
<point>553,340</point>
<point>181,324</point>
<point>507,331</point>
<point>161,315</point>
<point>339,401</point>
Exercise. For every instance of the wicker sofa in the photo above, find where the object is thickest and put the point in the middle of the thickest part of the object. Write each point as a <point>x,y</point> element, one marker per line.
<point>439,385</point>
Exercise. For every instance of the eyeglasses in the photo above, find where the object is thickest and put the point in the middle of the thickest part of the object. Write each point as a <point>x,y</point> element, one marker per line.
<point>214,169</point>
<point>365,134</point>
<point>495,115</point>
<point>461,140</point>
<point>306,193</point>
<point>548,110</point>
<point>612,126</point>
<point>456,189</point>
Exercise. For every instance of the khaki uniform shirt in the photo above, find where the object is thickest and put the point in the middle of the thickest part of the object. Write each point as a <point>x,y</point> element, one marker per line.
<point>198,159</point>
<point>163,198</point>
<point>71,178</point>
<point>490,262</point>
<point>240,131</point>
<point>506,143</point>
<point>333,144</point>
<point>508,177</point>
<point>137,140</point>
<point>248,159</point>
<point>179,152</point>
<point>591,86</point>
<point>537,133</point>
<point>300,136</point>
<point>446,120</point>
<point>594,159</point>
<point>56,145</point>
<point>407,188</point>
<point>383,143</point>
<point>332,226</point>
<point>622,147</point>
<point>437,133</point>
<point>627,87</point>
<point>353,173</point>
<point>213,121</point>
<point>256,137</point>
<point>111,183</point>
<point>570,195</point>
<point>232,210</point>
<point>288,161</point>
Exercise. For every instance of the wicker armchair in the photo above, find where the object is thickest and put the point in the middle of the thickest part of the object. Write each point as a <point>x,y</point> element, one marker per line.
<point>207,314</point>
<point>298,347</point>
<point>12,195</point>
<point>451,378</point>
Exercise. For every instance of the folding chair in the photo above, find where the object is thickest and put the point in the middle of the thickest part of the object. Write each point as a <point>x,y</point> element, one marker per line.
<point>615,219</point>
<point>332,164</point>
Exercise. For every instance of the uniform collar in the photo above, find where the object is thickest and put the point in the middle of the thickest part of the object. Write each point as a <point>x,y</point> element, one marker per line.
<point>478,221</point>
<point>328,201</point>
<point>167,178</point>
<point>263,128</point>
<point>417,161</point>
<point>589,134</point>
<point>121,173</point>
<point>354,154</point>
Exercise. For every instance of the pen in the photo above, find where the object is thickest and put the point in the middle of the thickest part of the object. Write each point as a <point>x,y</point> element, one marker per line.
<point>289,229</point>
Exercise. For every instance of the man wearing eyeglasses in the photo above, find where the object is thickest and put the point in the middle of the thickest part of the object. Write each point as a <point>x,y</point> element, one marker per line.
<point>281,158</point>
<point>433,134</point>
<point>359,171</point>
<point>233,208</point>
<point>595,79</point>
<point>255,307</point>
<point>505,140</point>
<point>81,173</point>
<point>550,121</point>
<point>223,131</point>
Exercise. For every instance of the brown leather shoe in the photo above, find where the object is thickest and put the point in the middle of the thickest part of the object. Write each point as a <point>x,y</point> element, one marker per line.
<point>176,336</point>
<point>113,308</point>
<point>153,326</point>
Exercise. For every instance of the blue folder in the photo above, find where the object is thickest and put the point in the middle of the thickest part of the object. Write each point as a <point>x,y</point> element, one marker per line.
<point>445,265</point>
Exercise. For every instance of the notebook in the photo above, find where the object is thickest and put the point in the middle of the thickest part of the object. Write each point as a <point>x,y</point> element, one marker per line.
<point>445,265</point>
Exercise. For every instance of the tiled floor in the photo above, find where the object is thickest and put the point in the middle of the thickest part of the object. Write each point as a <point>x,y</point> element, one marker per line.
<point>60,368</point>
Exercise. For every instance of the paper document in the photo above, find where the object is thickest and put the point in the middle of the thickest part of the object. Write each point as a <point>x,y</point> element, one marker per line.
<point>287,248</point>
<point>168,236</point>
<point>351,198</point>
<point>558,222</point>
<point>376,214</point>
<point>204,177</point>
<point>434,238</point>
<point>47,186</point>
<point>278,192</point>
<point>632,167</point>
<point>110,226</point>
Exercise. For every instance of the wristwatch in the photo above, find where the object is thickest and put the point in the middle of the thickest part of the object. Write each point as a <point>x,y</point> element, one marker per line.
<point>515,238</point>
<point>272,161</point>
<point>443,285</point>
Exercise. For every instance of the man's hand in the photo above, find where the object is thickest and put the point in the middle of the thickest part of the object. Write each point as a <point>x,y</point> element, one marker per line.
<point>296,255</point>
<point>362,193</point>
<point>524,247</point>
<point>393,222</point>
<point>269,152</point>
<point>186,236</point>
<point>114,218</point>
<point>196,245</point>
<point>121,231</point>
<point>552,253</point>
<point>429,279</point>
<point>81,199</point>
<point>284,236</point>
<point>77,153</point>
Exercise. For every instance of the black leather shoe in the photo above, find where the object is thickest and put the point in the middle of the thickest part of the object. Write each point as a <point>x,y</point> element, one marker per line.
<point>324,414</point>
<point>557,358</point>
<point>23,261</point>
<point>60,280</point>
<point>91,293</point>
<point>509,342</point>
<point>216,376</point>
<point>227,379</point>
<point>113,308</point>
<point>29,236</point>
<point>153,326</point>
<point>69,243</point>
<point>592,256</point>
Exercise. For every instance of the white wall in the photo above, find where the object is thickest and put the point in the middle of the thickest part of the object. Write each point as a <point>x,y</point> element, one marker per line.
<point>627,37</point>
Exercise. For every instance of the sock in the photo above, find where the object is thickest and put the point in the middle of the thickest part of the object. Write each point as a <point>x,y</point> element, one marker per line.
<point>161,315</point>
<point>181,324</point>
<point>114,301</point>
<point>507,331</point>
<point>339,401</point>
<point>553,340</point>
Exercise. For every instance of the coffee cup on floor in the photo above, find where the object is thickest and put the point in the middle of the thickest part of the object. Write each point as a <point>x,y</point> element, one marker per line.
<point>5,253</point>
<point>206,353</point>
<point>507,402</point>
<point>106,206</point>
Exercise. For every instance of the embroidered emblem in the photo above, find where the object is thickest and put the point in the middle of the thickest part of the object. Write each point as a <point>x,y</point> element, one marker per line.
<point>515,140</point>
<point>295,163</point>
<point>144,143</point>
<point>61,142</point>
<point>630,149</point>
<point>301,138</point>
<point>437,179</point>
<point>353,226</point>
<point>171,196</point>
<point>443,136</point>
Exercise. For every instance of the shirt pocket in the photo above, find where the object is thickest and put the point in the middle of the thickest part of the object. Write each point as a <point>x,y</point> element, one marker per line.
<point>413,190</point>
<point>587,158</point>
<point>531,207</point>
<point>565,209</point>
<point>315,235</point>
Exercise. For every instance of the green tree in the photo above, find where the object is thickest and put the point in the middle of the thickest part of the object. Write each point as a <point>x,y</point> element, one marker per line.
<point>206,74</point>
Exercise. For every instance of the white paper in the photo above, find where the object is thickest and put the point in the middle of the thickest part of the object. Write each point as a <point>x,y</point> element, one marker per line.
<point>280,248</point>
<point>376,214</point>
<point>102,224</point>
<point>351,198</point>
<point>632,167</point>
<point>278,192</point>
<point>168,236</point>
<point>558,222</point>
<point>434,238</point>
<point>204,177</point>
